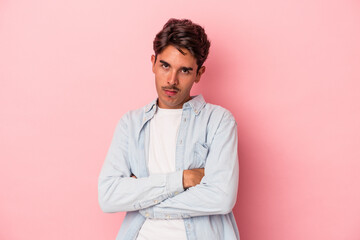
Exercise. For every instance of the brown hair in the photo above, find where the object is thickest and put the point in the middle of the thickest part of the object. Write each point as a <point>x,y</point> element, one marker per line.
<point>183,34</point>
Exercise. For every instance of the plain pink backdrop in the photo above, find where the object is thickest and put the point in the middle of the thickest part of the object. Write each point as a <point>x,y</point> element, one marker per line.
<point>288,70</point>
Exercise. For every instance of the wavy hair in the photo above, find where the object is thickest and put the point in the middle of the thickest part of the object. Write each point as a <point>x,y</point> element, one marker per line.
<point>183,33</point>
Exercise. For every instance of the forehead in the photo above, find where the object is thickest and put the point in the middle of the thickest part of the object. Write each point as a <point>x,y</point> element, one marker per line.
<point>173,56</point>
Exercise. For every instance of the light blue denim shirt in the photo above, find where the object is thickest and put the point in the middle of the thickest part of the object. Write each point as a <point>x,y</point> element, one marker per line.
<point>207,138</point>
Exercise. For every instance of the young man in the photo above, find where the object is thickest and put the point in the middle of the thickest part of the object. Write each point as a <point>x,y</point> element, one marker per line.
<point>173,165</point>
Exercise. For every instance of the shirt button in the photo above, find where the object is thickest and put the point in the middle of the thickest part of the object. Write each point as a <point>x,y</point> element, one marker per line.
<point>176,193</point>
<point>184,119</point>
<point>180,141</point>
<point>167,216</point>
<point>147,214</point>
<point>156,201</point>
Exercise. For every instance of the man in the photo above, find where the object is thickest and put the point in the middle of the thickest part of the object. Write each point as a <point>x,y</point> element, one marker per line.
<point>172,165</point>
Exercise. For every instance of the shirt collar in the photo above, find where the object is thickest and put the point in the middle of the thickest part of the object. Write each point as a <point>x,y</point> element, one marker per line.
<point>150,106</point>
<point>196,103</point>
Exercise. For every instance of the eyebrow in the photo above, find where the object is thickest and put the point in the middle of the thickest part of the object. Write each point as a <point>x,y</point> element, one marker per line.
<point>183,68</point>
<point>162,61</point>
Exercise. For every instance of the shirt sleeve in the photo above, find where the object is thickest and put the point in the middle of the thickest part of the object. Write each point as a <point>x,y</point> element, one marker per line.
<point>217,191</point>
<point>118,191</point>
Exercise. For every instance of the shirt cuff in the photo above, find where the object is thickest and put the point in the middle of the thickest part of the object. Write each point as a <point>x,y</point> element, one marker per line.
<point>174,183</point>
<point>174,186</point>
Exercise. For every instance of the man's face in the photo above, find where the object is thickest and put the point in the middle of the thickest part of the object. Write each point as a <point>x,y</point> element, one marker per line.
<point>175,75</point>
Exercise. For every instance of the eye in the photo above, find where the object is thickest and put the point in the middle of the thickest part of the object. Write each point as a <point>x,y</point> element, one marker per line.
<point>165,66</point>
<point>185,70</point>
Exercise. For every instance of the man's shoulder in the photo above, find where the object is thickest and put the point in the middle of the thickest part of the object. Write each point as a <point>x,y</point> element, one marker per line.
<point>208,110</point>
<point>213,110</point>
<point>137,116</point>
<point>134,113</point>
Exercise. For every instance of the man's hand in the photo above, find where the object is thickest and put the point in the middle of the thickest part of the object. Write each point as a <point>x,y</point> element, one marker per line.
<point>192,177</point>
<point>133,176</point>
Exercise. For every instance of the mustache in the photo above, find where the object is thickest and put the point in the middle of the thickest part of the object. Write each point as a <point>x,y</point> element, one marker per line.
<point>172,88</point>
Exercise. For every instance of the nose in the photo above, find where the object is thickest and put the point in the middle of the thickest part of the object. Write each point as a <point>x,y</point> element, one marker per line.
<point>173,78</point>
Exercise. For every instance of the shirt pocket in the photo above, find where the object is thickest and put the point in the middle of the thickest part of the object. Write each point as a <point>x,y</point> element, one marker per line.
<point>200,155</point>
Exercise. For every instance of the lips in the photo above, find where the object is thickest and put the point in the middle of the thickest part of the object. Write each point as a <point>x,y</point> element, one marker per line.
<point>170,92</point>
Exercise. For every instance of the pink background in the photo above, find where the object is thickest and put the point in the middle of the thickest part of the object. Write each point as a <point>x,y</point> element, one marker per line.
<point>288,70</point>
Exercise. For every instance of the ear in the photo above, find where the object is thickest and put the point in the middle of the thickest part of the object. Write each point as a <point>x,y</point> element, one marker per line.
<point>201,71</point>
<point>153,63</point>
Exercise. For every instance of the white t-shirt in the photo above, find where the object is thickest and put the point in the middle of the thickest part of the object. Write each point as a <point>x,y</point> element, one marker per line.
<point>164,128</point>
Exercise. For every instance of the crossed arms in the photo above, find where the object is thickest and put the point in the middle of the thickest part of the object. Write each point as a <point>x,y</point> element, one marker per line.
<point>181,194</point>
<point>191,177</point>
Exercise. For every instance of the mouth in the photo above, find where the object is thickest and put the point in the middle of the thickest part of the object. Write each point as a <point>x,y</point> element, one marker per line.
<point>170,92</point>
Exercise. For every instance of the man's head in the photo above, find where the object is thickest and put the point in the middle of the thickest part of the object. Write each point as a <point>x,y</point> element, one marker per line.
<point>183,34</point>
<point>181,48</point>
